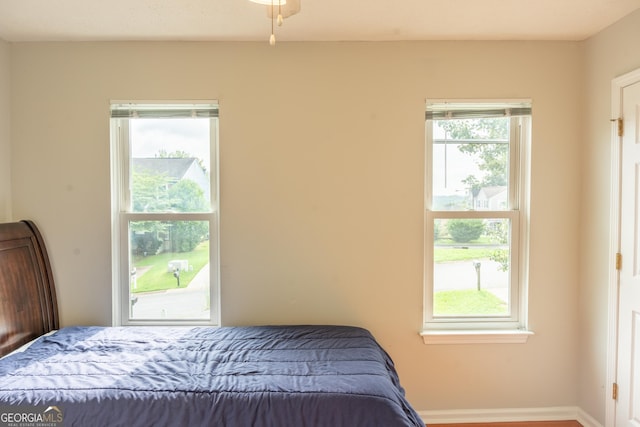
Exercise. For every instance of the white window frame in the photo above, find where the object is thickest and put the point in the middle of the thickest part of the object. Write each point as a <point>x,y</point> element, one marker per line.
<point>121,215</point>
<point>498,329</point>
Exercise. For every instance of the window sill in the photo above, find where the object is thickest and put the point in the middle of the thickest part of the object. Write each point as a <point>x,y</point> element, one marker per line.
<point>509,336</point>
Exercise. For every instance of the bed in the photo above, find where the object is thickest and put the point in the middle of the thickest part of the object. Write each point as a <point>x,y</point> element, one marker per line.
<point>300,375</point>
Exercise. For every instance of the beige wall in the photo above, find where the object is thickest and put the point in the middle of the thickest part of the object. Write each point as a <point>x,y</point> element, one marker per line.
<point>321,185</point>
<point>5,149</point>
<point>610,54</point>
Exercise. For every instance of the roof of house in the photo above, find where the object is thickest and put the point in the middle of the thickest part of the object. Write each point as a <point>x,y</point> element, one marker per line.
<point>173,167</point>
<point>490,192</point>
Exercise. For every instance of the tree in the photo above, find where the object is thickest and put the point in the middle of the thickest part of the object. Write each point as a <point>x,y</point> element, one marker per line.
<point>499,233</point>
<point>149,191</point>
<point>186,235</point>
<point>187,196</point>
<point>491,157</point>
<point>154,192</point>
<point>148,195</point>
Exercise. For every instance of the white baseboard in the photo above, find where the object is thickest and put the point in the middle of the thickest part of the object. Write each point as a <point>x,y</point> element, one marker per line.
<point>463,416</point>
<point>587,420</point>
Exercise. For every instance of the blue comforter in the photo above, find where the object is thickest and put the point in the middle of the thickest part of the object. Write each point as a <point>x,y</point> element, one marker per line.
<point>276,376</point>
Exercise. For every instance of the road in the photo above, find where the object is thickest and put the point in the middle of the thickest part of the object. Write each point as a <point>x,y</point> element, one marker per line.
<point>462,275</point>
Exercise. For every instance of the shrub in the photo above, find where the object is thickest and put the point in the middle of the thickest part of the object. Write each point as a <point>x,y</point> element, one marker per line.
<point>465,230</point>
<point>145,243</point>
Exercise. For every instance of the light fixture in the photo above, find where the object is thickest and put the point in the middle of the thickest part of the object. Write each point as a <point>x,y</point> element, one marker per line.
<point>279,9</point>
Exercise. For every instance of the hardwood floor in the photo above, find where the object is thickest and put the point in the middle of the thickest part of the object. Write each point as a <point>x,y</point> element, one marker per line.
<point>516,424</point>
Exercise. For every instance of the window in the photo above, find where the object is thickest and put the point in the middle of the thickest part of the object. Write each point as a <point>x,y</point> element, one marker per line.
<point>165,213</point>
<point>476,196</point>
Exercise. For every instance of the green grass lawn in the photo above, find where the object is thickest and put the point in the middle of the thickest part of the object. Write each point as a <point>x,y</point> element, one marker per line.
<point>450,254</point>
<point>157,277</point>
<point>468,302</point>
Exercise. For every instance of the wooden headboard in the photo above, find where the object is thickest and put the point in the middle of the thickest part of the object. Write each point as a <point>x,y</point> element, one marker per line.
<point>28,306</point>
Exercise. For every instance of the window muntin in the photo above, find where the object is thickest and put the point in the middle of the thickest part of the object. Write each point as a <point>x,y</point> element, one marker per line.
<point>470,158</point>
<point>475,200</point>
<point>164,181</point>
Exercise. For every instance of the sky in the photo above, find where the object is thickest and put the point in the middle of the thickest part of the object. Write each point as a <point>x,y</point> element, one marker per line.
<point>150,136</point>
<point>448,180</point>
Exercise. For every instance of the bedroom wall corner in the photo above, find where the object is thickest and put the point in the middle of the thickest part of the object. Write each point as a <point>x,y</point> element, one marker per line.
<point>608,54</point>
<point>5,131</point>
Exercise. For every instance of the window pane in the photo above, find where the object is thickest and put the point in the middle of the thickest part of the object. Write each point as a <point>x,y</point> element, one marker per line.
<point>169,270</point>
<point>471,164</point>
<point>471,267</point>
<point>170,165</point>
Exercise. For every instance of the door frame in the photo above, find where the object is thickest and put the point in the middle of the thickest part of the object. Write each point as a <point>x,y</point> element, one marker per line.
<point>617,86</point>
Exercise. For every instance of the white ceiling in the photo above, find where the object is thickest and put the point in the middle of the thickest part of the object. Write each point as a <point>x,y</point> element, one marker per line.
<point>319,20</point>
